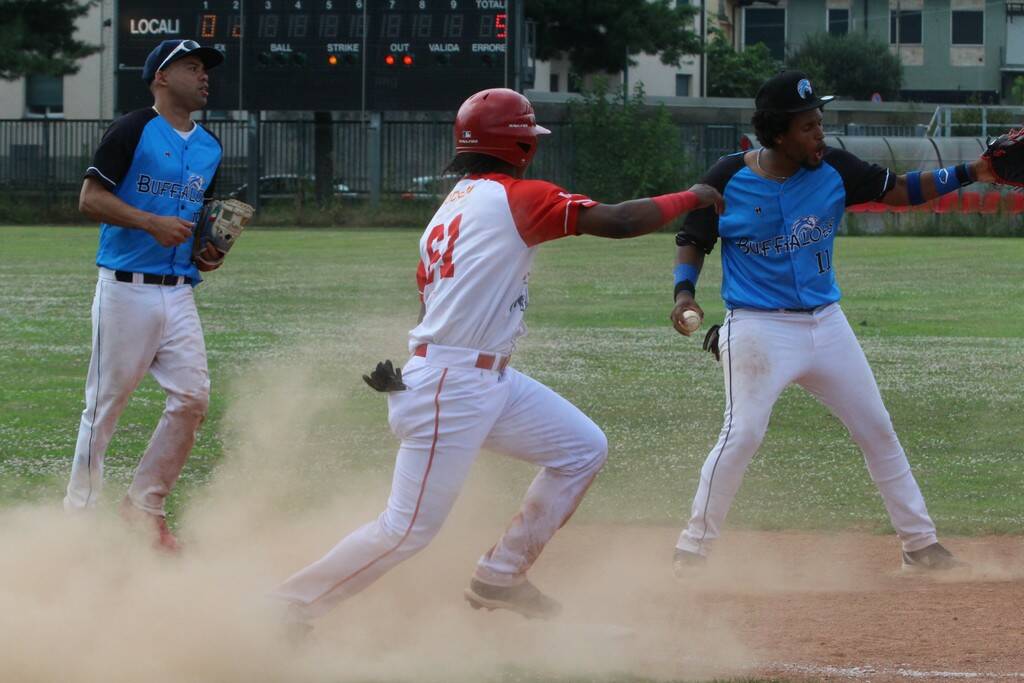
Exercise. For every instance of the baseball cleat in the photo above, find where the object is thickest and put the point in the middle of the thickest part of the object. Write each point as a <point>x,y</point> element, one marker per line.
<point>524,599</point>
<point>931,558</point>
<point>163,539</point>
<point>684,563</point>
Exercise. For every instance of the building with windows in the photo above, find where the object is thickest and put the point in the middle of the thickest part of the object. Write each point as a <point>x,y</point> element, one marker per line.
<point>952,50</point>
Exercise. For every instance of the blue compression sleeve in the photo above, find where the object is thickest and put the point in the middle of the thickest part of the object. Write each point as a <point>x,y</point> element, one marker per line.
<point>684,272</point>
<point>686,276</point>
<point>946,180</point>
<point>914,188</point>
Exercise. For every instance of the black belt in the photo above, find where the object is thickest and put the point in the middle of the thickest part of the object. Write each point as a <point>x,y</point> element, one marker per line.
<point>150,279</point>
<point>801,310</point>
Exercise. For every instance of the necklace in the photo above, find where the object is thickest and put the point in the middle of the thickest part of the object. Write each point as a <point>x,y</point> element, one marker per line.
<point>757,162</point>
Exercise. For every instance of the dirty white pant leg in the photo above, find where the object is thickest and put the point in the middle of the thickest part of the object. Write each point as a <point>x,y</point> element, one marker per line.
<point>180,369</point>
<point>761,354</point>
<point>541,427</point>
<point>126,326</point>
<point>442,420</point>
<point>841,378</point>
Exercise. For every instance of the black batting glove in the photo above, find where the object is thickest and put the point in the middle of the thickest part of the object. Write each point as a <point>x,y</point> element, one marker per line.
<point>711,341</point>
<point>385,377</point>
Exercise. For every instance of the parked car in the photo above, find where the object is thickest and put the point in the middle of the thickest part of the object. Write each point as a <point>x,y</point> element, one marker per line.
<point>289,186</point>
<point>431,186</point>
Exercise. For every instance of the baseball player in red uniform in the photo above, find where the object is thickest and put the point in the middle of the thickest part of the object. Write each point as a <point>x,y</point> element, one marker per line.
<point>458,393</point>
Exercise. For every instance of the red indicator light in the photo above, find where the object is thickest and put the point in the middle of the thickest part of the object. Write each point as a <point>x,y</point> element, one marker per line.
<point>389,60</point>
<point>501,26</point>
<point>407,60</point>
<point>208,26</point>
<point>332,60</point>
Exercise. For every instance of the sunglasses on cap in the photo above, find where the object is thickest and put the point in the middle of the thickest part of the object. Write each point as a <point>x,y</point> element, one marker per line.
<point>183,46</point>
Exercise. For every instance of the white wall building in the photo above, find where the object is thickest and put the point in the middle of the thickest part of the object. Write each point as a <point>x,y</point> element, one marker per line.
<point>88,94</point>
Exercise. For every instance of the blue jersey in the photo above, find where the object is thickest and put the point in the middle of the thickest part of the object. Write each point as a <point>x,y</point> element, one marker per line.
<point>146,163</point>
<point>777,237</point>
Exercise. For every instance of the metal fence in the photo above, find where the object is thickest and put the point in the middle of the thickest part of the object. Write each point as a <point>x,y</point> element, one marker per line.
<point>52,155</point>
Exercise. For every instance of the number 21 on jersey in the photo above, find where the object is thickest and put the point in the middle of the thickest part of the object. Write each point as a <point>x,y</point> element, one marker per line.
<point>440,245</point>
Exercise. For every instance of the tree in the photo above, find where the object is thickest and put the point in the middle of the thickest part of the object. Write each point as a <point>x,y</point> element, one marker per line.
<point>624,149</point>
<point>854,65</point>
<point>37,37</point>
<point>597,35</point>
<point>1017,90</point>
<point>737,74</point>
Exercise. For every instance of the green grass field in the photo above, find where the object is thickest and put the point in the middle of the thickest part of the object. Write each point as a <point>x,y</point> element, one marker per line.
<point>941,320</point>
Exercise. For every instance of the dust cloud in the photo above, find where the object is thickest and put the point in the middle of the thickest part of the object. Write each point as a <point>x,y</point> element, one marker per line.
<point>86,599</point>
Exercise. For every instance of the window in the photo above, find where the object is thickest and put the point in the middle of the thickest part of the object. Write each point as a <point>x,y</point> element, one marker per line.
<point>905,28</point>
<point>968,27</point>
<point>575,82</point>
<point>838,22</point>
<point>553,83</point>
<point>768,26</point>
<point>683,85</point>
<point>44,95</point>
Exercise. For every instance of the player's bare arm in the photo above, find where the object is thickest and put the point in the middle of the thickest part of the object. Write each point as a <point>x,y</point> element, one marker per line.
<point>687,256</point>
<point>638,217</point>
<point>930,183</point>
<point>99,204</point>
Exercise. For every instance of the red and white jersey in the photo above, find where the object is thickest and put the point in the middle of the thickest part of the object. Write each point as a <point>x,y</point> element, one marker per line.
<point>476,255</point>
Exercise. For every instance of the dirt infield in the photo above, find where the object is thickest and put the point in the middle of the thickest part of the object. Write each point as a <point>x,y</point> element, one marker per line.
<point>85,602</point>
<point>809,606</point>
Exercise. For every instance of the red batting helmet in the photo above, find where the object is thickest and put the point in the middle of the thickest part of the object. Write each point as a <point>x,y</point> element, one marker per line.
<point>498,122</point>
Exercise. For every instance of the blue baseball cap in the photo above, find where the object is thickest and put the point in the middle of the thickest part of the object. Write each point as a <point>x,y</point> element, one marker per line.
<point>170,51</point>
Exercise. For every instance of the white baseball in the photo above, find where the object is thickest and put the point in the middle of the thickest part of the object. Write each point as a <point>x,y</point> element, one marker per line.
<point>691,321</point>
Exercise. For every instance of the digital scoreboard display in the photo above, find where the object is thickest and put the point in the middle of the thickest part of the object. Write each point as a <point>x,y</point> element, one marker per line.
<point>327,54</point>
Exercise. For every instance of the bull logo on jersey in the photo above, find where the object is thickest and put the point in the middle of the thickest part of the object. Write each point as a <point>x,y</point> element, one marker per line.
<point>809,230</point>
<point>196,182</point>
<point>803,88</point>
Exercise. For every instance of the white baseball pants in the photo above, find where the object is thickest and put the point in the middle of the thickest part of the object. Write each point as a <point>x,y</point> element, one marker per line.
<point>139,328</point>
<point>450,410</point>
<point>762,353</point>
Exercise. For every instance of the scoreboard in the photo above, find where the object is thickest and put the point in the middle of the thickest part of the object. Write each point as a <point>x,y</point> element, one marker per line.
<point>321,55</point>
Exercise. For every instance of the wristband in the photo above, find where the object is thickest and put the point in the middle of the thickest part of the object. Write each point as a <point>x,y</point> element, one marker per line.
<point>914,188</point>
<point>946,180</point>
<point>686,275</point>
<point>675,204</point>
<point>963,174</point>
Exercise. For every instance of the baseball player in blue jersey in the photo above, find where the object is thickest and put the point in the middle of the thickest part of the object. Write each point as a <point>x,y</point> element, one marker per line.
<point>146,185</point>
<point>784,203</point>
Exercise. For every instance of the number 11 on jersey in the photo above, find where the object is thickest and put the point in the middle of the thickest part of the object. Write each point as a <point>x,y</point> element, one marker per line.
<point>824,261</point>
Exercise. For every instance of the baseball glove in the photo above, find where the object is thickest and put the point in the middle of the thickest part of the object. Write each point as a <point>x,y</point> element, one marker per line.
<point>711,341</point>
<point>220,223</point>
<point>1005,158</point>
<point>385,377</point>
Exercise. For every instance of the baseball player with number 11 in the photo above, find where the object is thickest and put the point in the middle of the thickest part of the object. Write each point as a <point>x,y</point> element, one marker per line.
<point>458,393</point>
<point>784,324</point>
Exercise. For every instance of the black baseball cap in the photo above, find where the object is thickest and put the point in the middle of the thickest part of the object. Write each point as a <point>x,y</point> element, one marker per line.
<point>170,51</point>
<point>790,92</point>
